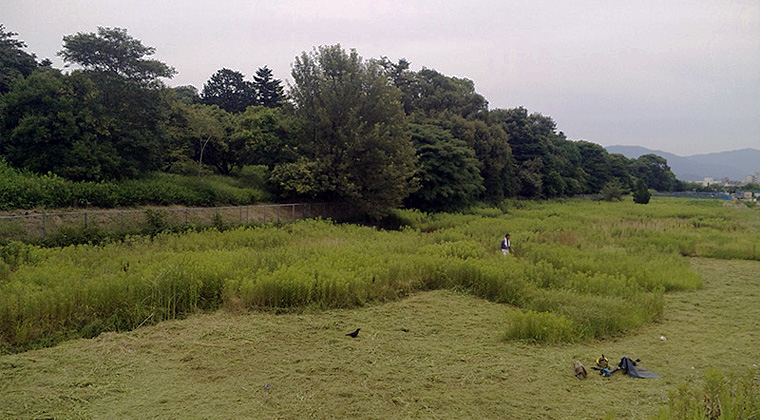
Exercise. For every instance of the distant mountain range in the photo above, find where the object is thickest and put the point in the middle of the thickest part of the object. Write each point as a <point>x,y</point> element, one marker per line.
<point>734,165</point>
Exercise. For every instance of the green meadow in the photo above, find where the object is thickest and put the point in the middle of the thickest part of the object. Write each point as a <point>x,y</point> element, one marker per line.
<point>254,318</point>
<point>581,270</point>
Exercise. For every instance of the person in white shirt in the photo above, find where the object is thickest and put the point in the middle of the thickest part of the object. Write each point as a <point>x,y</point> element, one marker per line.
<point>506,246</point>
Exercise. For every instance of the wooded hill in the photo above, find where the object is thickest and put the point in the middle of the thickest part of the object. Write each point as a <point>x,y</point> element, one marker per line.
<point>369,131</point>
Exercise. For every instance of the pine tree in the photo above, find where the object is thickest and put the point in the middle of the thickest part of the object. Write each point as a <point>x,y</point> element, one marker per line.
<point>269,91</point>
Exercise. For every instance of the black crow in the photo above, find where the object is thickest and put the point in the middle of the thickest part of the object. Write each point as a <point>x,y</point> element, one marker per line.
<point>354,334</point>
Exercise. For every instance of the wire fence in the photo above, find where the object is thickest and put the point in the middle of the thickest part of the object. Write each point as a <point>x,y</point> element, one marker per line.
<point>694,194</point>
<point>40,226</point>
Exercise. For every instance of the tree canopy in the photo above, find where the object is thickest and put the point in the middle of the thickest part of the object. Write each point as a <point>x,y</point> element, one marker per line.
<point>354,143</point>
<point>108,120</point>
<point>654,170</point>
<point>15,63</point>
<point>449,172</point>
<point>113,51</point>
<point>229,90</point>
<point>52,124</point>
<point>374,132</point>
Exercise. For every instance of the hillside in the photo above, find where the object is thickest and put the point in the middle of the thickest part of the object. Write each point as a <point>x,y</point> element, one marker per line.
<point>734,165</point>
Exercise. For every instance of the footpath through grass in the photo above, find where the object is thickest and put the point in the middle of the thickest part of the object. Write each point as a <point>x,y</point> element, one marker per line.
<point>436,354</point>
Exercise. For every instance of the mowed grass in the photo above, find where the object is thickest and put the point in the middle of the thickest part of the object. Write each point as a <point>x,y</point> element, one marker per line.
<point>435,354</point>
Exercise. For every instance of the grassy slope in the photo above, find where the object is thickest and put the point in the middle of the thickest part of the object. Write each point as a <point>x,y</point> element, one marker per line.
<point>432,355</point>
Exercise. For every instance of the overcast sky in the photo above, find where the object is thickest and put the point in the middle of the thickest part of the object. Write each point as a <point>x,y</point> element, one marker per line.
<point>673,75</point>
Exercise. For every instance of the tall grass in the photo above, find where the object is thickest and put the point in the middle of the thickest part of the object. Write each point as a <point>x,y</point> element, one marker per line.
<point>720,397</point>
<point>573,275</point>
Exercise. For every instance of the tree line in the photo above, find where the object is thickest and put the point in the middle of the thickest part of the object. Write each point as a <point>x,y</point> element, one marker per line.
<point>369,131</point>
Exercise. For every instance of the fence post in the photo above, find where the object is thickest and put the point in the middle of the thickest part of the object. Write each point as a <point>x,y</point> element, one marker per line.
<point>241,214</point>
<point>277,211</point>
<point>44,225</point>
<point>85,220</point>
<point>293,211</point>
<point>186,212</point>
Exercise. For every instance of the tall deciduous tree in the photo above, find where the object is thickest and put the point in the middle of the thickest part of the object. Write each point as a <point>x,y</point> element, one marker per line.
<point>210,132</point>
<point>535,147</point>
<point>54,123</point>
<point>114,52</point>
<point>567,161</point>
<point>595,164</point>
<point>187,94</point>
<point>269,91</point>
<point>620,169</point>
<point>14,61</point>
<point>655,171</point>
<point>449,171</point>
<point>491,148</point>
<point>129,90</point>
<point>355,145</point>
<point>229,90</point>
<point>266,135</point>
<point>430,92</point>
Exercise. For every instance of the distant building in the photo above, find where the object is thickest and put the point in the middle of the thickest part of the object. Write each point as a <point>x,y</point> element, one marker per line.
<point>752,179</point>
<point>748,196</point>
<point>707,182</point>
<point>725,182</point>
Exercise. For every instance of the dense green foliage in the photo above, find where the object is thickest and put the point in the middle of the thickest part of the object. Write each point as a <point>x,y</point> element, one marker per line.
<point>113,52</point>
<point>342,132</point>
<point>107,121</point>
<point>641,195</point>
<point>21,189</point>
<point>354,144</point>
<point>15,63</point>
<point>269,91</point>
<point>449,171</point>
<point>581,269</point>
<point>228,90</point>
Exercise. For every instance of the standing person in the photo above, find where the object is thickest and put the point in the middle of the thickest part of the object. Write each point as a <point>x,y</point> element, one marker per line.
<point>506,246</point>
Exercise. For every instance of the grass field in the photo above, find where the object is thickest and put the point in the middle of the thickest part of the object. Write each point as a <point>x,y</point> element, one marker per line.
<point>581,270</point>
<point>435,354</point>
<point>449,325</point>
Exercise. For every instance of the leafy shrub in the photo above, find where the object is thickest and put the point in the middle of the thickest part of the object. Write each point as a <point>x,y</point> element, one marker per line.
<point>24,190</point>
<point>641,194</point>
<point>612,191</point>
